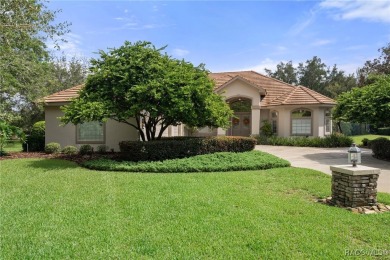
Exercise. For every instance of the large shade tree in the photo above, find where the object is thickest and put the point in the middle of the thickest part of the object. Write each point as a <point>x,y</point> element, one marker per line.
<point>369,104</point>
<point>138,81</point>
<point>25,65</point>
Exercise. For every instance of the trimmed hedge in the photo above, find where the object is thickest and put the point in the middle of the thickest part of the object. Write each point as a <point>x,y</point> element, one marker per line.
<point>225,161</point>
<point>384,131</point>
<point>334,140</point>
<point>181,147</point>
<point>381,148</point>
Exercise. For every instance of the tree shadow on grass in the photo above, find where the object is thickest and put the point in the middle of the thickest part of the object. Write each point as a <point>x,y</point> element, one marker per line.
<point>53,164</point>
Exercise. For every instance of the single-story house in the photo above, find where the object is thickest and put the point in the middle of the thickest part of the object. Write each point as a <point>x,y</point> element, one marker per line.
<point>254,98</point>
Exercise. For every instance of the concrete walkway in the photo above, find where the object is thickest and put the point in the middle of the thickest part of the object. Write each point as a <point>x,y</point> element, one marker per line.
<point>321,158</point>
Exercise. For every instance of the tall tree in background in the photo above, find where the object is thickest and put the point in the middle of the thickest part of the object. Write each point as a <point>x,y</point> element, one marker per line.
<point>284,72</point>
<point>316,75</point>
<point>68,72</point>
<point>312,74</point>
<point>24,59</point>
<point>378,66</point>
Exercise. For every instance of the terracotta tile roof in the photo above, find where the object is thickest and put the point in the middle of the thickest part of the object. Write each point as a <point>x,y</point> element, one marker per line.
<point>278,92</point>
<point>64,95</point>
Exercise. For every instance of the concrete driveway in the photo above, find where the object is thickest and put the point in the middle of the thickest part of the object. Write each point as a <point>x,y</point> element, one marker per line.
<point>321,158</point>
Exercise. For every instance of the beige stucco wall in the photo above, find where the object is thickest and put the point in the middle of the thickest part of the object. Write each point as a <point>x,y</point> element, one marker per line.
<point>284,119</point>
<point>66,135</point>
<point>242,89</point>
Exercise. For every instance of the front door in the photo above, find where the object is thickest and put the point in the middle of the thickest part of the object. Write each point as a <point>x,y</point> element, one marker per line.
<point>241,124</point>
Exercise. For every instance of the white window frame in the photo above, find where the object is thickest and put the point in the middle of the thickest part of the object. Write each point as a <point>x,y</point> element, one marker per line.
<point>328,121</point>
<point>302,123</point>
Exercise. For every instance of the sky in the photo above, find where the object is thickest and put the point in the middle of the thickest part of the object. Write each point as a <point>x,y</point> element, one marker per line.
<point>233,35</point>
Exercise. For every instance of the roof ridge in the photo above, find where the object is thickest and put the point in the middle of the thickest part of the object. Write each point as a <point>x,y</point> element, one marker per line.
<point>309,91</point>
<point>281,81</point>
<point>292,92</point>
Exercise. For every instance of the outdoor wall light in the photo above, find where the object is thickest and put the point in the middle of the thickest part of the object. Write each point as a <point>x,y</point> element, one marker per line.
<point>354,155</point>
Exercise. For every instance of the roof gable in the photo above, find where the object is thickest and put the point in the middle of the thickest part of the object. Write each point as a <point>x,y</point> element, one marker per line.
<point>277,92</point>
<point>239,78</point>
<point>64,95</point>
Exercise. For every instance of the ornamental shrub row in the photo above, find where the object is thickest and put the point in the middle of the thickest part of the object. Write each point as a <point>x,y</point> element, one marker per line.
<point>333,140</point>
<point>181,147</point>
<point>381,148</point>
<point>384,131</point>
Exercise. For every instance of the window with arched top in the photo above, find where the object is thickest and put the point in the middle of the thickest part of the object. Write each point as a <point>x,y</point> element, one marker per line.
<point>301,122</point>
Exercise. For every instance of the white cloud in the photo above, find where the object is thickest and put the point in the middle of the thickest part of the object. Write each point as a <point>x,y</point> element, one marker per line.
<point>321,42</point>
<point>180,52</point>
<point>72,46</point>
<point>359,9</point>
<point>349,68</point>
<point>302,25</point>
<point>267,63</point>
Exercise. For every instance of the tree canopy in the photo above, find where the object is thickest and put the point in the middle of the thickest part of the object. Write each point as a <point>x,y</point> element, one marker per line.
<point>369,104</point>
<point>377,66</point>
<point>25,64</point>
<point>316,75</point>
<point>139,81</point>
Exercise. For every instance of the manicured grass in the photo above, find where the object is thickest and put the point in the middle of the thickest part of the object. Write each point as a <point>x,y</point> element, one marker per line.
<point>13,146</point>
<point>357,139</point>
<point>51,209</point>
<point>253,160</point>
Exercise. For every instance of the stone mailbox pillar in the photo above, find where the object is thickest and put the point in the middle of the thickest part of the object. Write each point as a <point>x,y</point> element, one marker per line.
<point>354,186</point>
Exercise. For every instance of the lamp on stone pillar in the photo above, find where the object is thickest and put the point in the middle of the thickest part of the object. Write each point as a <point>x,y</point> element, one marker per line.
<point>354,155</point>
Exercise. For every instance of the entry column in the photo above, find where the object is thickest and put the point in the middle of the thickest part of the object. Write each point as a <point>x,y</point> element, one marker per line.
<point>255,120</point>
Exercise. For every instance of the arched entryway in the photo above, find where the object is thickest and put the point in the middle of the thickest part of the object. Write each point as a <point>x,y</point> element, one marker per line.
<point>241,121</point>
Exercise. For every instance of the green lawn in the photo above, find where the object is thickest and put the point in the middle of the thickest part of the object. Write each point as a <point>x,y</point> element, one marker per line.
<point>55,209</point>
<point>357,139</point>
<point>13,146</point>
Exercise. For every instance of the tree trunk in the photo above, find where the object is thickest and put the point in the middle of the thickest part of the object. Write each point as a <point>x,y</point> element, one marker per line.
<point>339,126</point>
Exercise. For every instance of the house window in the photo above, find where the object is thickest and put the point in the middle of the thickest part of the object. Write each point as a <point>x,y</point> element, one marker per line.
<point>90,132</point>
<point>301,122</point>
<point>328,122</point>
<point>274,122</point>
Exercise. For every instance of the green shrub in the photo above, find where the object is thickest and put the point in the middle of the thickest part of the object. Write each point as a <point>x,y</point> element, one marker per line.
<point>333,140</point>
<point>266,129</point>
<point>384,131</point>
<point>171,148</point>
<point>69,150</point>
<point>365,141</point>
<point>381,148</point>
<point>102,148</point>
<point>225,161</point>
<point>85,149</point>
<point>35,142</point>
<point>52,148</point>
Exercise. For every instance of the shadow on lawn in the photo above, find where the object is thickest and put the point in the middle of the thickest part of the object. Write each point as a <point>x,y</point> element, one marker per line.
<point>53,164</point>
